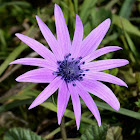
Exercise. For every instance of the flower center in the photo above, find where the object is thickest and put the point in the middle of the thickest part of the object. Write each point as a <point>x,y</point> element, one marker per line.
<point>69,69</point>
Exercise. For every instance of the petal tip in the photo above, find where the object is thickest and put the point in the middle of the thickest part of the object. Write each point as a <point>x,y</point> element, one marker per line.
<point>37,17</point>
<point>18,79</point>
<point>59,122</point>
<point>127,62</point>
<point>77,16</point>
<point>78,127</point>
<point>125,85</point>
<point>11,63</point>
<point>107,23</point>
<point>108,20</point>
<point>99,122</point>
<point>119,48</point>
<point>59,119</point>
<point>56,6</point>
<point>17,34</point>
<point>117,107</point>
<point>30,107</point>
<point>34,104</point>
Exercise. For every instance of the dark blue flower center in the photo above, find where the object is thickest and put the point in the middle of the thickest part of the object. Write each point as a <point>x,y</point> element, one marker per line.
<point>69,69</point>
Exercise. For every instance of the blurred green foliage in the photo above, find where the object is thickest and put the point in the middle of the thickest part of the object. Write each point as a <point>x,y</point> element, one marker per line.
<point>19,16</point>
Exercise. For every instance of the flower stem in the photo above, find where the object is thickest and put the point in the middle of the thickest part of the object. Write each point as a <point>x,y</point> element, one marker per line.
<point>63,129</point>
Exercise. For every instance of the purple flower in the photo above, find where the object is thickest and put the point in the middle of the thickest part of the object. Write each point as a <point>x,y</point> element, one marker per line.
<point>69,69</point>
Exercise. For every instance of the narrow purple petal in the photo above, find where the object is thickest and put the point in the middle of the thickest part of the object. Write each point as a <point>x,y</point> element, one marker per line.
<point>88,101</point>
<point>51,40</point>
<point>62,31</point>
<point>101,76</point>
<point>41,75</point>
<point>77,39</point>
<point>105,64</point>
<point>95,54</point>
<point>62,100</point>
<point>76,104</point>
<point>47,92</point>
<point>92,41</point>
<point>38,47</point>
<point>36,62</point>
<point>102,91</point>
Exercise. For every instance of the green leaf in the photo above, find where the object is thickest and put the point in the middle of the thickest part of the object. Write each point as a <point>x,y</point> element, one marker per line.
<point>138,103</point>
<point>110,4</point>
<point>22,94</point>
<point>21,134</point>
<point>76,6</point>
<point>126,25</point>
<point>65,10</point>
<point>114,133</point>
<point>68,113</point>
<point>110,38</point>
<point>86,9</point>
<point>131,45</point>
<point>125,11</point>
<point>123,111</point>
<point>17,51</point>
<point>69,123</point>
<point>3,41</point>
<point>11,57</point>
<point>138,80</point>
<point>20,3</point>
<point>87,29</point>
<point>95,133</point>
<point>99,16</point>
<point>14,104</point>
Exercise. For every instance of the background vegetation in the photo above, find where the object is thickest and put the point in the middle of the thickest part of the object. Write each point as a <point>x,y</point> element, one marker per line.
<point>19,123</point>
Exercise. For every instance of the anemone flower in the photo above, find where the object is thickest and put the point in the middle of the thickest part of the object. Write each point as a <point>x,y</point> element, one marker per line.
<point>69,68</point>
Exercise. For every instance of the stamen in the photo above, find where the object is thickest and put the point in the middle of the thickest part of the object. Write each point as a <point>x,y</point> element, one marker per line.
<point>83,62</point>
<point>77,62</point>
<point>74,84</point>
<point>81,71</point>
<point>68,55</point>
<point>58,62</point>
<point>81,78</point>
<point>70,70</point>
<point>54,73</point>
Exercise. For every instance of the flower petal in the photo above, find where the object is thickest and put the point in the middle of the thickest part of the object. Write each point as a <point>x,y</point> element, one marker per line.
<point>62,31</point>
<point>101,76</point>
<point>76,104</point>
<point>35,62</point>
<point>92,41</point>
<point>41,75</point>
<point>105,64</point>
<point>38,47</point>
<point>102,91</point>
<point>88,101</point>
<point>47,92</point>
<point>62,101</point>
<point>77,39</point>
<point>95,54</point>
<point>51,40</point>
